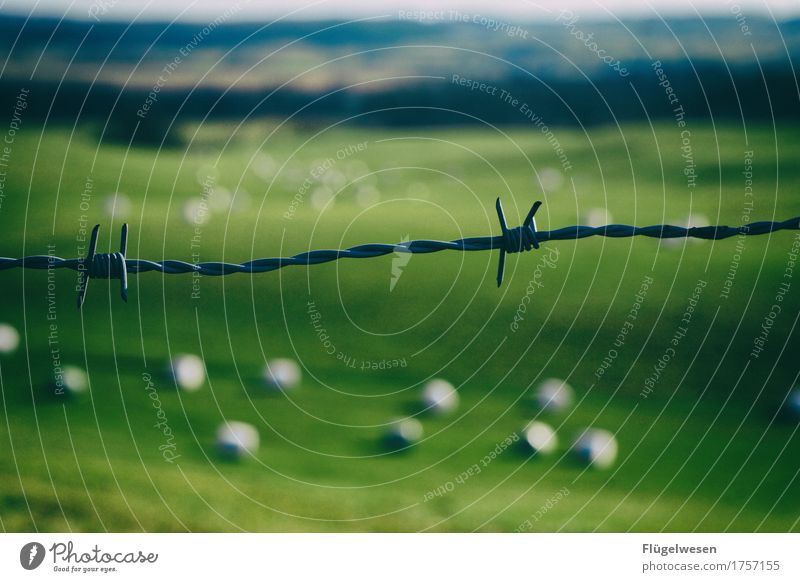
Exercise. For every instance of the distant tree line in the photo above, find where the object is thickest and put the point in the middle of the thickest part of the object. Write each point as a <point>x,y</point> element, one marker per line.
<point>704,91</point>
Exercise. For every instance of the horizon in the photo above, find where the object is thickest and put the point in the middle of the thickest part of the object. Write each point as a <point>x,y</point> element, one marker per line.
<point>299,10</point>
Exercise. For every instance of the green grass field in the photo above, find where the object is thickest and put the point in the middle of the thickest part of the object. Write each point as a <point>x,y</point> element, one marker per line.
<point>704,451</point>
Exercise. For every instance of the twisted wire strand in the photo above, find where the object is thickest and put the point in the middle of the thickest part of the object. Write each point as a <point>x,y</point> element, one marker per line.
<point>366,251</point>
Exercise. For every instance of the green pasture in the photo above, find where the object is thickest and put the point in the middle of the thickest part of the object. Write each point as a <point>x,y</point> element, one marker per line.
<point>706,449</point>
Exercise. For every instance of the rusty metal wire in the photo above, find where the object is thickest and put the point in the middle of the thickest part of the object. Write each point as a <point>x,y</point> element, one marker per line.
<point>512,240</point>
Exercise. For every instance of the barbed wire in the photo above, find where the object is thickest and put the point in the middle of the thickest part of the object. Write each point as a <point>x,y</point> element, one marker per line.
<point>512,240</point>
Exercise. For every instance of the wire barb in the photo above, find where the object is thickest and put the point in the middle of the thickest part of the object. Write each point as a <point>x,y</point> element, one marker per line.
<point>511,240</point>
<point>103,265</point>
<point>516,240</point>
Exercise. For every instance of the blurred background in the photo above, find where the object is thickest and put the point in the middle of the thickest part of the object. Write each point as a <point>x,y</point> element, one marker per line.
<point>607,385</point>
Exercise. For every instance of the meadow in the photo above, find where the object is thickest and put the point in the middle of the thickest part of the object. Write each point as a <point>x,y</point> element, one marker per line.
<point>703,447</point>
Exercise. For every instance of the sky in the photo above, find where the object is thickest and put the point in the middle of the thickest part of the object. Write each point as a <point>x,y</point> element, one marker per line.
<point>530,10</point>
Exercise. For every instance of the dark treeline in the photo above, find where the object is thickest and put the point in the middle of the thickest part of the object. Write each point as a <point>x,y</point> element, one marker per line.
<point>706,90</point>
<point>703,87</point>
